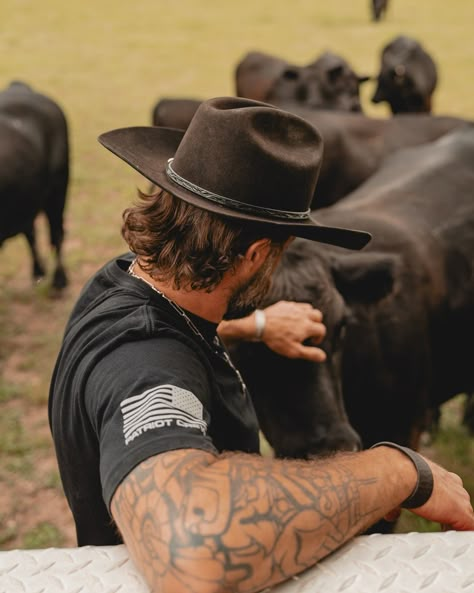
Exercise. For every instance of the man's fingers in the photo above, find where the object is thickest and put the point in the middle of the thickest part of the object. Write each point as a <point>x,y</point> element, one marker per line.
<point>317,333</point>
<point>315,314</point>
<point>312,313</point>
<point>300,309</point>
<point>310,353</point>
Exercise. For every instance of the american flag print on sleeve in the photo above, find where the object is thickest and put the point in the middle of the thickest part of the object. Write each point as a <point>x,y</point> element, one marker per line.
<point>158,407</point>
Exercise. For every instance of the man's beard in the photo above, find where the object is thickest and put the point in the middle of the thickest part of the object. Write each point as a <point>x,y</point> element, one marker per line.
<point>251,294</point>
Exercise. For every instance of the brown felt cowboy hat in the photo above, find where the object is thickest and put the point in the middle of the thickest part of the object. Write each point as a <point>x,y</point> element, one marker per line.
<point>241,159</point>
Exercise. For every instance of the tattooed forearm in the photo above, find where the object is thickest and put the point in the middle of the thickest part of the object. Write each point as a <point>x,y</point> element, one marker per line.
<point>194,522</point>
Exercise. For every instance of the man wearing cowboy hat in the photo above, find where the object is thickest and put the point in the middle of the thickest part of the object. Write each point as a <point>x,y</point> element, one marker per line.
<point>155,432</point>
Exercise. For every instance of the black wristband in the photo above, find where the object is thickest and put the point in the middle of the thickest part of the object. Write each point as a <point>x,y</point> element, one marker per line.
<point>424,482</point>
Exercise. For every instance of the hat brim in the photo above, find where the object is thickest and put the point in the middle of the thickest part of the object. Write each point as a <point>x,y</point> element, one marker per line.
<point>147,150</point>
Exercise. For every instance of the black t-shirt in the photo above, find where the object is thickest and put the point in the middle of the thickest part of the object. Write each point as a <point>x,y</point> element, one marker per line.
<point>132,380</point>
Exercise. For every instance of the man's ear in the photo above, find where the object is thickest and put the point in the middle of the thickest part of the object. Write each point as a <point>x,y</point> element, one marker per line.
<point>257,252</point>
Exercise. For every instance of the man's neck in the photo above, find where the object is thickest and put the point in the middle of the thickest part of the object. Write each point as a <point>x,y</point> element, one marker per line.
<point>208,305</point>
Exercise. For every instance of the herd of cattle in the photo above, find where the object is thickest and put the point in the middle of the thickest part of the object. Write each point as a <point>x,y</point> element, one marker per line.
<point>399,314</point>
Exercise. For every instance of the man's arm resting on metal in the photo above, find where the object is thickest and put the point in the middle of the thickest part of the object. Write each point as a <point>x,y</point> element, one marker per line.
<point>240,523</point>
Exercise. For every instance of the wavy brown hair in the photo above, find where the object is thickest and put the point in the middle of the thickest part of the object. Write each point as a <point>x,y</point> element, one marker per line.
<point>189,246</point>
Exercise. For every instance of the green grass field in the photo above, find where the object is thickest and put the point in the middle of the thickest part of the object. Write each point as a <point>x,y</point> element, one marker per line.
<point>107,63</point>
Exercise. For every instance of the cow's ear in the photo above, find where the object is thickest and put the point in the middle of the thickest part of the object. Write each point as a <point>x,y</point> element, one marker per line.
<point>365,277</point>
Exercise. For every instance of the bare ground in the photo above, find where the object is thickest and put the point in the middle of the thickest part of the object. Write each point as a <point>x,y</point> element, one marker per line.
<point>33,509</point>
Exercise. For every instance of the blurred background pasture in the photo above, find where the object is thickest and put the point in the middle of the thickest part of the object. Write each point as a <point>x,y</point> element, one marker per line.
<point>107,63</point>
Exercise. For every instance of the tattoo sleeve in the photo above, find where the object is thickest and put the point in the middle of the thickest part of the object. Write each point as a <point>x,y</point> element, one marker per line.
<point>237,523</point>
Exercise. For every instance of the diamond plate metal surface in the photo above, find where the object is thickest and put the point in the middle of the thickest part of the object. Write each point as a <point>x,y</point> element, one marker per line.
<point>403,563</point>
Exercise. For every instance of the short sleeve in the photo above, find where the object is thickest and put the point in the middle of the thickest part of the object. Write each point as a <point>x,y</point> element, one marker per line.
<point>144,398</point>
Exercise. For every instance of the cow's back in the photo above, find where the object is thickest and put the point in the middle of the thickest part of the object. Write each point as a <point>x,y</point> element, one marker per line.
<point>355,145</point>
<point>418,185</point>
<point>42,117</point>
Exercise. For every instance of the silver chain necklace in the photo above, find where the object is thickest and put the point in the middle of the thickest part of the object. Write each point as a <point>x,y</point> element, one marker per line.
<point>221,352</point>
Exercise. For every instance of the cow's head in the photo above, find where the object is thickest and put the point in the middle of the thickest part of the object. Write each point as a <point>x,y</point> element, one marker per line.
<point>399,88</point>
<point>407,77</point>
<point>291,86</point>
<point>299,403</point>
<point>337,83</point>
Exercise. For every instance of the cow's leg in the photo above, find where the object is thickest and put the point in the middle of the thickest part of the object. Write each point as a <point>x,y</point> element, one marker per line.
<point>54,209</point>
<point>378,8</point>
<point>38,271</point>
<point>375,10</point>
<point>60,280</point>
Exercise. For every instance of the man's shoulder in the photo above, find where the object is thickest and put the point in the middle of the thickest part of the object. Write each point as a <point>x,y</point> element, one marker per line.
<point>109,290</point>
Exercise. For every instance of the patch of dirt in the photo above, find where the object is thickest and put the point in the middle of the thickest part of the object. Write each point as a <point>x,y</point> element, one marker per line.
<point>26,505</point>
<point>30,492</point>
<point>31,326</point>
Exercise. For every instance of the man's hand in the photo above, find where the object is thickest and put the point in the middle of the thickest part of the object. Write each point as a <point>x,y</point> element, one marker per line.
<point>449,503</point>
<point>289,324</point>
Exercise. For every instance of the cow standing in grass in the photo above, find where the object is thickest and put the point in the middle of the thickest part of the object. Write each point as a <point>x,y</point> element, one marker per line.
<point>34,171</point>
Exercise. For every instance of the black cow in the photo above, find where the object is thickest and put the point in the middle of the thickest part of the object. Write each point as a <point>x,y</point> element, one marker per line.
<point>34,170</point>
<point>399,314</point>
<point>256,73</point>
<point>379,8</point>
<point>336,83</point>
<point>407,78</point>
<point>327,83</point>
<point>174,112</point>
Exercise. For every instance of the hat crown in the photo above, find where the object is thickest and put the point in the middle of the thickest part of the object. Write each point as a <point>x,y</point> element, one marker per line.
<point>251,153</point>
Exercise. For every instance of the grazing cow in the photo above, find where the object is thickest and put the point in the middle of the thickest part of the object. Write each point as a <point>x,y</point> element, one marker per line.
<point>379,8</point>
<point>34,170</point>
<point>399,314</point>
<point>327,83</point>
<point>407,77</point>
